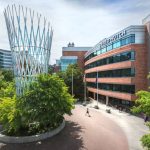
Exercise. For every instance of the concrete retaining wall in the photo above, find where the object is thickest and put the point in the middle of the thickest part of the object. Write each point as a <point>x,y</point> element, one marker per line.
<point>33,138</point>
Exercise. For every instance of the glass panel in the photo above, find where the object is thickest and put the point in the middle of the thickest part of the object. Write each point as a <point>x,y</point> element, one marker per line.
<point>132,72</point>
<point>123,57</point>
<point>109,47</point>
<point>121,42</point>
<point>95,53</point>
<point>113,59</point>
<point>110,59</point>
<point>116,44</point>
<point>114,87</point>
<point>98,52</point>
<point>116,58</point>
<point>132,55</point>
<point>133,39</point>
<point>103,50</point>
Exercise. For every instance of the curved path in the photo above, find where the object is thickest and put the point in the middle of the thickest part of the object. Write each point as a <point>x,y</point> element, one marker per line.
<point>96,132</point>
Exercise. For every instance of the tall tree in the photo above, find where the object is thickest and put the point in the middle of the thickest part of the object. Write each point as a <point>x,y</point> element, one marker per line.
<point>75,73</point>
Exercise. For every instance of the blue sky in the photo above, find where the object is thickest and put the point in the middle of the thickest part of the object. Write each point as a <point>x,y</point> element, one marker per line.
<point>84,22</point>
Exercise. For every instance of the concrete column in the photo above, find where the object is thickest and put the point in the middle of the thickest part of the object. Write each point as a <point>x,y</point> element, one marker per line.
<point>94,95</point>
<point>107,100</point>
<point>146,22</point>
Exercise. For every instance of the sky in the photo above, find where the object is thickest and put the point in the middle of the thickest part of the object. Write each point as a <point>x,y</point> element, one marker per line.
<point>84,22</point>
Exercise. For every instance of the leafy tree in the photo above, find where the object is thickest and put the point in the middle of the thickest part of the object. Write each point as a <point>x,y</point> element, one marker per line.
<point>40,109</point>
<point>78,86</point>
<point>2,83</point>
<point>143,105</point>
<point>8,90</point>
<point>7,74</point>
<point>6,83</point>
<point>50,69</point>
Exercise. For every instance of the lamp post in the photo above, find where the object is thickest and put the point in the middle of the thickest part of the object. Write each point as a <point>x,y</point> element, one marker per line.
<point>84,88</point>
<point>97,87</point>
<point>72,82</point>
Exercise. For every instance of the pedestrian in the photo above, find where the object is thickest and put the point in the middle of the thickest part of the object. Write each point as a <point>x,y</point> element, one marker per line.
<point>87,112</point>
<point>146,118</point>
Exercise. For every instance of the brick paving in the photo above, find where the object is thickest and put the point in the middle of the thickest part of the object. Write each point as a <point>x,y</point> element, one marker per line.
<point>134,127</point>
<point>97,132</point>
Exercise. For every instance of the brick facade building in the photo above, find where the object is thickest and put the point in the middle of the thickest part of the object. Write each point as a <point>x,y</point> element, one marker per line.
<point>72,55</point>
<point>121,65</point>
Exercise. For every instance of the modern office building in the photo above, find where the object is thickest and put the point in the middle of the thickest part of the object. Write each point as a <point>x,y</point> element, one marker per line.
<point>72,55</point>
<point>5,59</point>
<point>117,67</point>
<point>67,60</point>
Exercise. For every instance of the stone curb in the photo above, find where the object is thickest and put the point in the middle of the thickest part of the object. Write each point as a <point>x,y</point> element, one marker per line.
<point>33,138</point>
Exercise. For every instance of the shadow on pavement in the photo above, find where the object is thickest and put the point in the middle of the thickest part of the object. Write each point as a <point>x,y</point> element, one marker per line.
<point>68,139</point>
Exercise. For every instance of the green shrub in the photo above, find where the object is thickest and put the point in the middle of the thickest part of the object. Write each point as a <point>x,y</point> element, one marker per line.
<point>9,115</point>
<point>8,90</point>
<point>40,109</point>
<point>8,74</point>
<point>7,85</point>
<point>142,104</point>
<point>146,141</point>
<point>6,107</point>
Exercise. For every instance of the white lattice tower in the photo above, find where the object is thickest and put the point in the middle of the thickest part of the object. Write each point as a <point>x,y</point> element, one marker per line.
<point>30,38</point>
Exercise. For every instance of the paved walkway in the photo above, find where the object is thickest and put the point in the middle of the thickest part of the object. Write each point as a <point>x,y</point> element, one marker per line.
<point>97,132</point>
<point>133,126</point>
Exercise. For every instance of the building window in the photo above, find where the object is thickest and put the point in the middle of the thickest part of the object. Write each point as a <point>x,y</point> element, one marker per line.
<point>127,72</point>
<point>98,52</point>
<point>116,44</point>
<point>95,54</point>
<point>116,58</point>
<point>132,72</point>
<point>125,41</point>
<point>130,55</point>
<point>110,47</point>
<point>103,50</point>
<point>113,87</point>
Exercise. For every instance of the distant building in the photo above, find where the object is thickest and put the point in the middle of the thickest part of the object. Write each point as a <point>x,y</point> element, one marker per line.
<point>5,59</point>
<point>72,55</point>
<point>57,62</point>
<point>66,61</point>
<point>57,66</point>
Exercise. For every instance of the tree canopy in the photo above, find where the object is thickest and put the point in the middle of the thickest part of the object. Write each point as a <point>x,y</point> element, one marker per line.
<point>142,103</point>
<point>40,109</point>
<point>7,75</point>
<point>78,86</point>
<point>6,83</point>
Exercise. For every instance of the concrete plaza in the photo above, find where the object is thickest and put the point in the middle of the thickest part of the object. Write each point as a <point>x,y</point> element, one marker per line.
<point>133,127</point>
<point>100,131</point>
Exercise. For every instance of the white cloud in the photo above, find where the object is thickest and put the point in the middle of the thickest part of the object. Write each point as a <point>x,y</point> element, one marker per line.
<point>75,23</point>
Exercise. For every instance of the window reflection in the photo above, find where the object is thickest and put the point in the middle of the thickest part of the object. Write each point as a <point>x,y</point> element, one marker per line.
<point>125,56</point>
<point>114,87</point>
<point>127,72</point>
<point>124,41</point>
